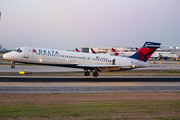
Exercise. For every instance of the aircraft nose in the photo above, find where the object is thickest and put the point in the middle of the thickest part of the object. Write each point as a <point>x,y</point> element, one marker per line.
<point>9,56</point>
<point>5,56</point>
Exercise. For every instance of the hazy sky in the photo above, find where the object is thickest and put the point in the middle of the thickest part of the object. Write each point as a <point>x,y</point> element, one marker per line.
<point>66,24</point>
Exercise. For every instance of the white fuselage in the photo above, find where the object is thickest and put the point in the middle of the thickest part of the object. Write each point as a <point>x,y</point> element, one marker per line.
<point>70,59</point>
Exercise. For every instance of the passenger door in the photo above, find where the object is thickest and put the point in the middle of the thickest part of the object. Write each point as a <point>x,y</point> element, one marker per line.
<point>26,53</point>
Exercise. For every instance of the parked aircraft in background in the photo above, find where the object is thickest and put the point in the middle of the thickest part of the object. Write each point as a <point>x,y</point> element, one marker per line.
<point>86,61</point>
<point>136,48</point>
<point>114,52</point>
<point>169,56</point>
<point>155,56</point>
<point>121,55</point>
<point>93,51</point>
<point>77,50</point>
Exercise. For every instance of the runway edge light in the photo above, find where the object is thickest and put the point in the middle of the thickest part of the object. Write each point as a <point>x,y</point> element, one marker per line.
<point>24,72</point>
<point>21,72</point>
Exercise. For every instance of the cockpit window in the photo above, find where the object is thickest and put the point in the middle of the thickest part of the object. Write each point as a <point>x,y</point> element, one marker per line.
<point>18,50</point>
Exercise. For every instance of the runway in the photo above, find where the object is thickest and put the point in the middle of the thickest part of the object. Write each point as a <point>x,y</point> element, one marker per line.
<point>36,68</point>
<point>82,84</point>
<point>165,65</point>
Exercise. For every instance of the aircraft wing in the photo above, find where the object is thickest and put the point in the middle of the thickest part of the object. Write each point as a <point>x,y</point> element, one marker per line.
<point>121,66</point>
<point>106,67</point>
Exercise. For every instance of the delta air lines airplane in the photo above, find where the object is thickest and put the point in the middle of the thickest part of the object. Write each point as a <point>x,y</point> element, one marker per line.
<point>87,61</point>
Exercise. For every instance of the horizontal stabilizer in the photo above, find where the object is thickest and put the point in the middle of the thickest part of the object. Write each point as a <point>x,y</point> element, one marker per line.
<point>152,46</point>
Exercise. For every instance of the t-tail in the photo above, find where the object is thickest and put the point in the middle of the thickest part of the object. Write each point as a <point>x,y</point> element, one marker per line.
<point>146,51</point>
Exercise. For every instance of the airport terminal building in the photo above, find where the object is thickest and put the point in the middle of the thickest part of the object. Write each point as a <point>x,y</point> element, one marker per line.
<point>120,50</point>
<point>172,51</point>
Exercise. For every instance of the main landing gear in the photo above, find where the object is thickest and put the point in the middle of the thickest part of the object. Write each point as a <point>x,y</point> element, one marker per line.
<point>87,73</point>
<point>95,74</point>
<point>13,65</point>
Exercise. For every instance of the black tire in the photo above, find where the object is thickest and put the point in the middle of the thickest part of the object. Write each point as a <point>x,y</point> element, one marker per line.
<point>12,66</point>
<point>86,73</point>
<point>95,74</point>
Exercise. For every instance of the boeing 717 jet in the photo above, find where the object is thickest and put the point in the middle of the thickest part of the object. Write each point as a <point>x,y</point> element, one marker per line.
<point>87,61</point>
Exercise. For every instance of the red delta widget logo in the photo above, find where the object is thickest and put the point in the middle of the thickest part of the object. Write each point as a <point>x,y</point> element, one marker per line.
<point>44,52</point>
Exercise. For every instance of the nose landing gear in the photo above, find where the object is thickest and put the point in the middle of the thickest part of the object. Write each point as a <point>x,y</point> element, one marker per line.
<point>13,65</point>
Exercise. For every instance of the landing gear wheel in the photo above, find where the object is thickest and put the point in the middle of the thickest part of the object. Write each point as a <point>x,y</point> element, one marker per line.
<point>95,74</point>
<point>86,73</point>
<point>12,66</point>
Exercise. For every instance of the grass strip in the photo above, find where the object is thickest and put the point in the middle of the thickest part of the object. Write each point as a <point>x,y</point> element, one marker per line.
<point>91,106</point>
<point>105,110</point>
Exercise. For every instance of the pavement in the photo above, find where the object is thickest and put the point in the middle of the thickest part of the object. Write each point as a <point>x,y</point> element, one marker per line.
<point>37,68</point>
<point>83,84</point>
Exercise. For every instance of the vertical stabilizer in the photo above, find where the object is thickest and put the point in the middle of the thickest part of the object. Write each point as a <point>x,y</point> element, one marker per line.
<point>146,51</point>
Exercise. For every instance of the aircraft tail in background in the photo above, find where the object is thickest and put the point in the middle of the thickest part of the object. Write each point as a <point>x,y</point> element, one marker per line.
<point>93,51</point>
<point>77,50</point>
<point>136,48</point>
<point>114,52</point>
